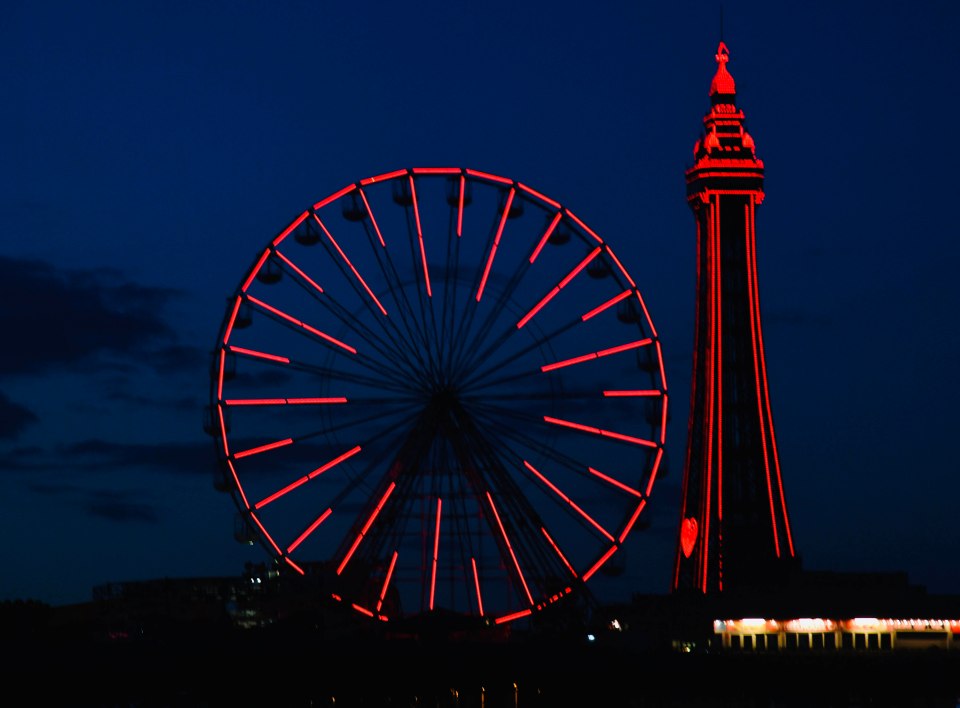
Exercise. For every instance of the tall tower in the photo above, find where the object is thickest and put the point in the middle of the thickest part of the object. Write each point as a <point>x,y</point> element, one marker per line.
<point>734,532</point>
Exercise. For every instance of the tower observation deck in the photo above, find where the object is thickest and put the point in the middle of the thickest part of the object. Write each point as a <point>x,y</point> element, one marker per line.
<point>734,531</point>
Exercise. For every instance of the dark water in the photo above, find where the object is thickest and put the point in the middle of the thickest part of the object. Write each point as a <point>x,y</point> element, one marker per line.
<point>344,674</point>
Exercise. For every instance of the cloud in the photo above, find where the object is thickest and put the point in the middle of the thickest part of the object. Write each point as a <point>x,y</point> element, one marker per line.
<point>13,418</point>
<point>66,318</point>
<point>116,507</point>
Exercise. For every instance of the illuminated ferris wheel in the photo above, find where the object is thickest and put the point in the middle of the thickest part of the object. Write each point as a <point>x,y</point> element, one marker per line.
<point>443,389</point>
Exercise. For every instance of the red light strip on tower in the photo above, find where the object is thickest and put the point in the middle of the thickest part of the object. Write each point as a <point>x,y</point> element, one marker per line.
<point>366,527</point>
<point>596,355</point>
<point>386,581</point>
<point>712,256</point>
<point>615,483</point>
<point>297,270</point>
<point>608,304</point>
<point>286,232</point>
<point>349,264</point>
<point>423,252</point>
<point>310,529</point>
<point>754,310</point>
<point>559,552</point>
<point>506,540</point>
<point>476,582</point>
<point>596,566</point>
<point>373,219</point>
<point>282,401</point>
<point>436,553</point>
<point>568,500</point>
<point>598,431</point>
<point>262,448</point>
<point>335,196</point>
<point>305,326</point>
<point>546,235</point>
<point>496,242</point>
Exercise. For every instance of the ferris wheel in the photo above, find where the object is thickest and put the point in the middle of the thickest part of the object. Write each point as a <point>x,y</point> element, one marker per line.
<point>441,390</point>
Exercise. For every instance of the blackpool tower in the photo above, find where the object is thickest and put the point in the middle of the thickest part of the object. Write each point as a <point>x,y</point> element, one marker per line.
<point>734,531</point>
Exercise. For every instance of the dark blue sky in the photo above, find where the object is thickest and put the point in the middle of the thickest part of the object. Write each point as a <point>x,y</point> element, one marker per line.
<point>151,150</point>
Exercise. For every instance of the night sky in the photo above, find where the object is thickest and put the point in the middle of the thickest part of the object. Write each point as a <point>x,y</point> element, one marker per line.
<point>151,150</point>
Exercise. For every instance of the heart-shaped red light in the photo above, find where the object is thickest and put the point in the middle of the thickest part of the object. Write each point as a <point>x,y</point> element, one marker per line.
<point>688,536</point>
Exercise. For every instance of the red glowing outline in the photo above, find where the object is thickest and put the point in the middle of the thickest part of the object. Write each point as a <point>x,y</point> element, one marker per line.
<point>632,521</point>
<point>286,232</point>
<point>382,178</point>
<point>538,195</point>
<point>373,219</point>
<point>282,401</point>
<point>514,616</point>
<point>255,270</point>
<point>638,392</point>
<point>259,355</point>
<point>487,175</point>
<point>335,196</point>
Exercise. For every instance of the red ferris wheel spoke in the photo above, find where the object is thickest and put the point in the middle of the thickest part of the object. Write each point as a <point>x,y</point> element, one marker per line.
<point>350,265</point>
<point>506,540</point>
<point>608,304</point>
<point>553,544</point>
<point>293,320</point>
<point>615,483</point>
<point>310,529</point>
<point>436,553</point>
<point>423,251</point>
<point>259,355</point>
<point>262,448</point>
<point>386,580</point>
<point>293,266</point>
<point>282,401</point>
<point>596,355</point>
<point>599,431</point>
<point>573,505</point>
<point>476,582</point>
<point>548,232</point>
<point>496,243</point>
<point>366,527</point>
<point>560,286</point>
<point>306,478</point>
